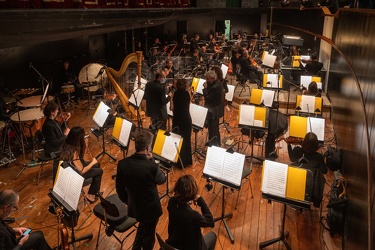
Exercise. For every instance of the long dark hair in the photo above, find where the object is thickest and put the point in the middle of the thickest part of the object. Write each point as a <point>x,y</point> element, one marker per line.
<point>75,142</point>
<point>186,188</point>
<point>310,143</point>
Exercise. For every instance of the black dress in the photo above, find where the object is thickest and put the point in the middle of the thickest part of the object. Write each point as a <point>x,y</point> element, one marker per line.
<point>182,120</point>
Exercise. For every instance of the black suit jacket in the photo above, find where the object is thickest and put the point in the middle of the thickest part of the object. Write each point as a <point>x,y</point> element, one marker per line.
<point>136,185</point>
<point>53,136</point>
<point>213,100</point>
<point>156,100</point>
<point>8,238</point>
<point>313,68</point>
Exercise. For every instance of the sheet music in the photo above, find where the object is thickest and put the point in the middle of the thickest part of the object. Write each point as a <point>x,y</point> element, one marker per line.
<point>317,127</point>
<point>230,94</point>
<point>246,115</point>
<point>101,114</point>
<point>44,94</point>
<point>214,163</point>
<point>274,178</point>
<point>233,165</point>
<point>267,97</point>
<point>305,81</point>
<point>200,86</point>
<point>198,115</point>
<point>269,60</point>
<point>169,150</point>
<point>307,103</point>
<point>258,123</point>
<point>169,112</point>
<point>143,83</point>
<point>304,58</point>
<point>126,128</point>
<point>224,69</point>
<point>136,97</point>
<point>68,185</point>
<point>273,79</point>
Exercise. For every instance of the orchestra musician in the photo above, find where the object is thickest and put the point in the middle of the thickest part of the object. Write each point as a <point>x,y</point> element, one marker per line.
<point>154,57</point>
<point>10,238</point>
<point>213,93</point>
<point>313,66</point>
<point>312,90</point>
<point>73,152</point>
<point>194,44</point>
<point>54,133</point>
<point>195,60</point>
<point>68,77</point>
<point>169,68</point>
<point>246,68</point>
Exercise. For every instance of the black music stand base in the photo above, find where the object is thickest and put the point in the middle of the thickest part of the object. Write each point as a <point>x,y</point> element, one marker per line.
<point>224,216</point>
<point>104,152</point>
<point>282,237</point>
<point>196,150</point>
<point>167,193</point>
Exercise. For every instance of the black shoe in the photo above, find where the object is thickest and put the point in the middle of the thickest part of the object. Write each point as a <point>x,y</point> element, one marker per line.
<point>92,201</point>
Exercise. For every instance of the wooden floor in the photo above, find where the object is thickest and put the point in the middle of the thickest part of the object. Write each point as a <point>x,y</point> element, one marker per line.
<point>254,220</point>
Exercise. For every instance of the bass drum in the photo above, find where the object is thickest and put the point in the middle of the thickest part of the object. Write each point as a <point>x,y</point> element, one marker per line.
<point>93,74</point>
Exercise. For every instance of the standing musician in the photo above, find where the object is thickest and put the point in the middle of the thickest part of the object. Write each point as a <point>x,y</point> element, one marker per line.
<point>73,152</point>
<point>9,202</point>
<point>213,99</point>
<point>169,68</point>
<point>54,133</point>
<point>194,44</point>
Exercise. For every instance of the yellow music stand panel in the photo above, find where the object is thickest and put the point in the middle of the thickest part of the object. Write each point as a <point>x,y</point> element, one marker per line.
<point>260,114</point>
<point>295,61</point>
<point>296,183</point>
<point>318,104</point>
<point>159,144</point>
<point>297,126</point>
<point>256,96</point>
<point>117,128</point>
<point>194,84</point>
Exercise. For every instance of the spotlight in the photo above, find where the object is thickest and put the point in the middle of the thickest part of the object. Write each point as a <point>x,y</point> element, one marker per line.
<point>208,185</point>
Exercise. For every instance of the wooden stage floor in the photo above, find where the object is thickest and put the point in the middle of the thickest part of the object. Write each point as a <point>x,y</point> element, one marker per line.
<point>255,220</point>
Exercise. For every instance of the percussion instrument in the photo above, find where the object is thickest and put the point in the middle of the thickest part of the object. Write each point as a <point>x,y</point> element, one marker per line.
<point>33,119</point>
<point>25,91</point>
<point>67,89</point>
<point>32,101</point>
<point>93,73</point>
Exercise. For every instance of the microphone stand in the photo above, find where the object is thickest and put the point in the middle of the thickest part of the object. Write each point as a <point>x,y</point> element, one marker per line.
<point>41,76</point>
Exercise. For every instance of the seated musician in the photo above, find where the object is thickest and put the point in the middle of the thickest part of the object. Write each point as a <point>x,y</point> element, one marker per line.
<point>306,156</point>
<point>246,68</point>
<point>204,55</point>
<point>112,102</point>
<point>312,90</point>
<point>154,57</point>
<point>68,77</point>
<point>194,60</point>
<point>169,68</point>
<point>54,133</point>
<point>73,152</point>
<point>313,66</point>
<point>10,238</point>
<point>184,227</point>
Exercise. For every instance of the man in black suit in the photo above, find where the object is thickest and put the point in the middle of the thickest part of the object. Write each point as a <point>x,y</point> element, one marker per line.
<point>156,100</point>
<point>313,66</point>
<point>54,135</point>
<point>8,236</point>
<point>136,185</point>
<point>213,98</point>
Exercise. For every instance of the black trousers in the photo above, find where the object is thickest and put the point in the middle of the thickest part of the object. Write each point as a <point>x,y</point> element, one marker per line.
<point>96,174</point>
<point>213,131</point>
<point>36,241</point>
<point>145,238</point>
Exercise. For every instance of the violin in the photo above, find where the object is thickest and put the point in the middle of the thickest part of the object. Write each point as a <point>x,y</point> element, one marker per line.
<point>63,117</point>
<point>62,231</point>
<point>253,62</point>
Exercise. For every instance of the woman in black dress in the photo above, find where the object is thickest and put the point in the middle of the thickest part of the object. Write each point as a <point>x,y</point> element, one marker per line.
<point>180,103</point>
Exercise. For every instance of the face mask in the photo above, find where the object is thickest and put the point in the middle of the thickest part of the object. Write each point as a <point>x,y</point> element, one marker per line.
<point>164,80</point>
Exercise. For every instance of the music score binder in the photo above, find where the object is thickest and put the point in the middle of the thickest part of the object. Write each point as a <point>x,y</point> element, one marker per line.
<point>165,146</point>
<point>101,114</point>
<point>310,104</point>
<point>272,81</point>
<point>68,185</point>
<point>296,61</point>
<point>197,85</point>
<point>250,115</point>
<point>224,167</point>
<point>229,95</point>
<point>306,80</point>
<point>268,59</point>
<point>262,95</point>
<point>198,115</point>
<point>285,181</point>
<point>121,131</point>
<point>224,68</point>
<point>299,126</point>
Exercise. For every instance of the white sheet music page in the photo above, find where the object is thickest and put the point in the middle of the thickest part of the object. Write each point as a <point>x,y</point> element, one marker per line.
<point>305,81</point>
<point>273,79</point>
<point>317,127</point>
<point>101,114</point>
<point>198,115</point>
<point>136,97</point>
<point>200,86</point>
<point>143,83</point>
<point>274,178</point>
<point>68,186</point>
<point>224,69</point>
<point>126,128</point>
<point>214,162</point>
<point>233,167</point>
<point>307,104</point>
<point>230,94</point>
<point>267,97</point>
<point>169,150</point>
<point>246,115</point>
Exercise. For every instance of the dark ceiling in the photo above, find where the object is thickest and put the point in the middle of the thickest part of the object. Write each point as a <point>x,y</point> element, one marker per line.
<point>26,27</point>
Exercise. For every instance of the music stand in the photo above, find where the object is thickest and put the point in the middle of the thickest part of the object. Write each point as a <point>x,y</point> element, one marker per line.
<point>229,174</point>
<point>100,116</point>
<point>198,117</point>
<point>297,193</point>
<point>135,100</point>
<point>121,134</point>
<point>166,151</point>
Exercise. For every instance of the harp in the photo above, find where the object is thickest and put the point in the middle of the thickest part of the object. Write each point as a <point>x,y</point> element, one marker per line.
<point>112,73</point>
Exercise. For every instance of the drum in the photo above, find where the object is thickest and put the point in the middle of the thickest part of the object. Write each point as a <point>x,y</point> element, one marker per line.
<point>93,73</point>
<point>32,101</point>
<point>67,89</point>
<point>31,119</point>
